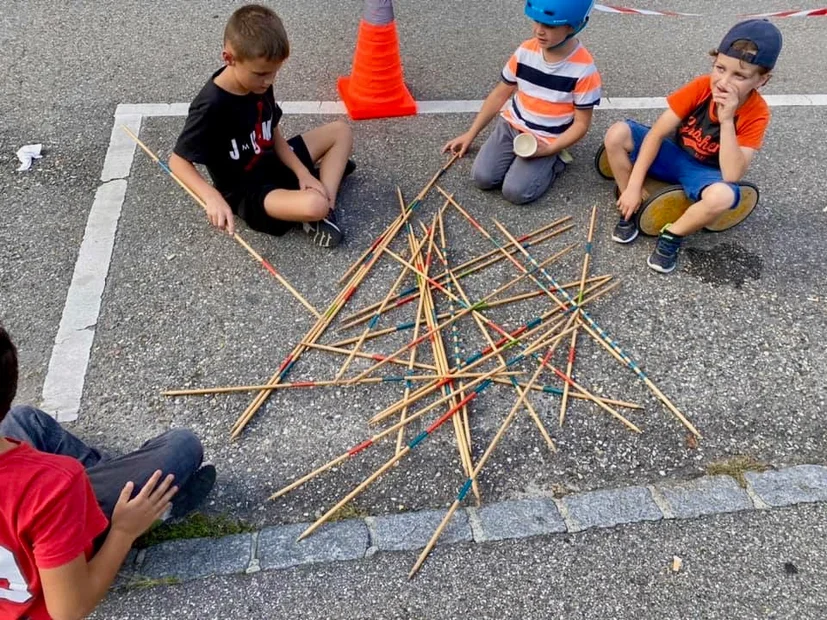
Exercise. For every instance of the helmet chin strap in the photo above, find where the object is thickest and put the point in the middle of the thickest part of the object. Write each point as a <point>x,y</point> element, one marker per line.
<point>572,35</point>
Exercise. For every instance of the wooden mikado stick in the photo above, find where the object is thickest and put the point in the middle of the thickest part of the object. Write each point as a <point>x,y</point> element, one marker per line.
<point>261,260</point>
<point>374,249</point>
<point>328,383</point>
<point>573,347</point>
<point>438,347</point>
<point>480,464</point>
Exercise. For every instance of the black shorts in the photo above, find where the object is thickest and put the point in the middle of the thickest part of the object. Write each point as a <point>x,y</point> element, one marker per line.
<point>275,175</point>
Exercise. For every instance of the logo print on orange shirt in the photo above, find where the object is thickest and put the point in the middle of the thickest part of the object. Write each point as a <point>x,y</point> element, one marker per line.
<point>704,144</point>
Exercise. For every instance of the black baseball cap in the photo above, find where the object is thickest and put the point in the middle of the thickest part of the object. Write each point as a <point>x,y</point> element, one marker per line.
<point>766,37</point>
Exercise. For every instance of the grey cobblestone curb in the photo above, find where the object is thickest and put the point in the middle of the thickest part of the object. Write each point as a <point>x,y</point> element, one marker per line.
<point>276,548</point>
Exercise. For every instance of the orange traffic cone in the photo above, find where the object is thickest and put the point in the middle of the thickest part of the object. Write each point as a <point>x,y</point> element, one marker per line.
<point>376,87</point>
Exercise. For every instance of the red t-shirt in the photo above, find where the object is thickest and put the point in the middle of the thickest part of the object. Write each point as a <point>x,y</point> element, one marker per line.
<point>48,517</point>
<point>699,133</point>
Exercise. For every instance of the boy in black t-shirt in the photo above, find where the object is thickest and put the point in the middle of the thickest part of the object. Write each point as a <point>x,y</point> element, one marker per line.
<point>232,129</point>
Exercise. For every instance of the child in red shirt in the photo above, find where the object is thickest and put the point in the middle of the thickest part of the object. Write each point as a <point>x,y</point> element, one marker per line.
<point>69,514</point>
<point>705,141</point>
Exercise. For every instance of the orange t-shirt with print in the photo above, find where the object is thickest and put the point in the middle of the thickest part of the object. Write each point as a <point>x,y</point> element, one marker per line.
<point>699,133</point>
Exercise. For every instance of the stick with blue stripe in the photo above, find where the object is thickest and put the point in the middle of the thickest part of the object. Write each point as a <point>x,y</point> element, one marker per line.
<point>601,336</point>
<point>573,347</point>
<point>481,463</point>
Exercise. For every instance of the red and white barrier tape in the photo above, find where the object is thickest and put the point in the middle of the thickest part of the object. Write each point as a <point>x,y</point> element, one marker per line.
<point>624,10</point>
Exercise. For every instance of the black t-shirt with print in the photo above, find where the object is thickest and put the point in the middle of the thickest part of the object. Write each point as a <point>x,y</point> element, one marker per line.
<point>699,135</point>
<point>232,135</point>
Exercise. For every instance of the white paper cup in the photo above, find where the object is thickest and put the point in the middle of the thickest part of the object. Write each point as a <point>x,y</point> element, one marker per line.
<point>525,145</point>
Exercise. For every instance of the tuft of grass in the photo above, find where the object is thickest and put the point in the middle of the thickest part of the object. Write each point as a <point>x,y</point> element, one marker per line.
<point>144,583</point>
<point>349,511</point>
<point>736,467</point>
<point>196,525</point>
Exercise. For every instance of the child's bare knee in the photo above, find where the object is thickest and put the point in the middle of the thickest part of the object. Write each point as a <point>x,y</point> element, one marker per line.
<point>343,132</point>
<point>718,197</point>
<point>316,206</point>
<point>618,135</point>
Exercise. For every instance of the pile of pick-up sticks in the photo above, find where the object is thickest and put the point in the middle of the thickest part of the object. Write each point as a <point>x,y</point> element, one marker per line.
<point>455,381</point>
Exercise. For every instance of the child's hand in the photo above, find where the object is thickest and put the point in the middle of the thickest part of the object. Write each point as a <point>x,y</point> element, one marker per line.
<point>460,144</point>
<point>132,517</point>
<point>726,102</point>
<point>544,149</point>
<point>308,181</point>
<point>629,202</point>
<point>220,214</point>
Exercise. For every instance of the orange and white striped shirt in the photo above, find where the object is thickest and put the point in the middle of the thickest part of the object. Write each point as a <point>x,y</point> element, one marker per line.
<point>548,93</point>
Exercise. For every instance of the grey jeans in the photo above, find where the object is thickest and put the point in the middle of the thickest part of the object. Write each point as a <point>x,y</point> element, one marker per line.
<point>176,452</point>
<point>522,180</point>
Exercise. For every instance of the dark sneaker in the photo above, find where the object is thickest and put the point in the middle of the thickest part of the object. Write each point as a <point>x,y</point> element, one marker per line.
<point>325,233</point>
<point>625,231</point>
<point>193,493</point>
<point>665,256</point>
<point>350,168</point>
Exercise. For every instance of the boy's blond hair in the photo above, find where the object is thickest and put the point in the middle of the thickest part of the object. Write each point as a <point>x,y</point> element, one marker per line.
<point>254,31</point>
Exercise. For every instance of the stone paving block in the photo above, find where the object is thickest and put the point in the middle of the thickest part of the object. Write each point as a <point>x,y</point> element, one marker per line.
<point>794,485</point>
<point>705,496</point>
<point>520,519</point>
<point>412,530</point>
<point>345,540</point>
<point>199,557</point>
<point>612,507</point>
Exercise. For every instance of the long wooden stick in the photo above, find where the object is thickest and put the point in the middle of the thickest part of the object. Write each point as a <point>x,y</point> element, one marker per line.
<point>573,347</point>
<point>329,383</point>
<point>480,464</point>
<point>438,347</point>
<point>376,357</point>
<point>393,227</point>
<point>264,263</point>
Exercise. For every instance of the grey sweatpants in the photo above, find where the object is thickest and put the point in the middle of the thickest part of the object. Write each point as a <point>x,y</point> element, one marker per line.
<point>522,180</point>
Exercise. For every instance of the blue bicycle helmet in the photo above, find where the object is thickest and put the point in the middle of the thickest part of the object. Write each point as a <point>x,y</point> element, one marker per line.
<point>574,13</point>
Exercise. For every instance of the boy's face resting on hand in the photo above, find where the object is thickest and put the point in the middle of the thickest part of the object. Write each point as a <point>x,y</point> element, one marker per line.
<point>254,75</point>
<point>733,78</point>
<point>550,36</point>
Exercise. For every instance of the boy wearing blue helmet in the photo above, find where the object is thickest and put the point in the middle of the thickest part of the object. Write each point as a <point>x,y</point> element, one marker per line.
<point>705,141</point>
<point>551,86</point>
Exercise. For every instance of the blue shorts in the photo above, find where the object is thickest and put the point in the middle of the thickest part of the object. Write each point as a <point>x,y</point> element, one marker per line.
<point>674,165</point>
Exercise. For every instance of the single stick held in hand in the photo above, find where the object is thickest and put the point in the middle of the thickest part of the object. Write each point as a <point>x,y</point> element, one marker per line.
<point>264,263</point>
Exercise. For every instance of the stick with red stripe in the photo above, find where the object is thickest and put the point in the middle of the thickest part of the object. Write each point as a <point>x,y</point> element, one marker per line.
<point>322,324</point>
<point>573,348</point>
<point>264,263</point>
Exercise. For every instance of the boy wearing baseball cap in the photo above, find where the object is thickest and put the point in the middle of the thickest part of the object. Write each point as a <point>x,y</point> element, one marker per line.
<point>704,141</point>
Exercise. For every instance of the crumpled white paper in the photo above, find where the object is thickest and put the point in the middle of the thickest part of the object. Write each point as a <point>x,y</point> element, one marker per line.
<point>27,154</point>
